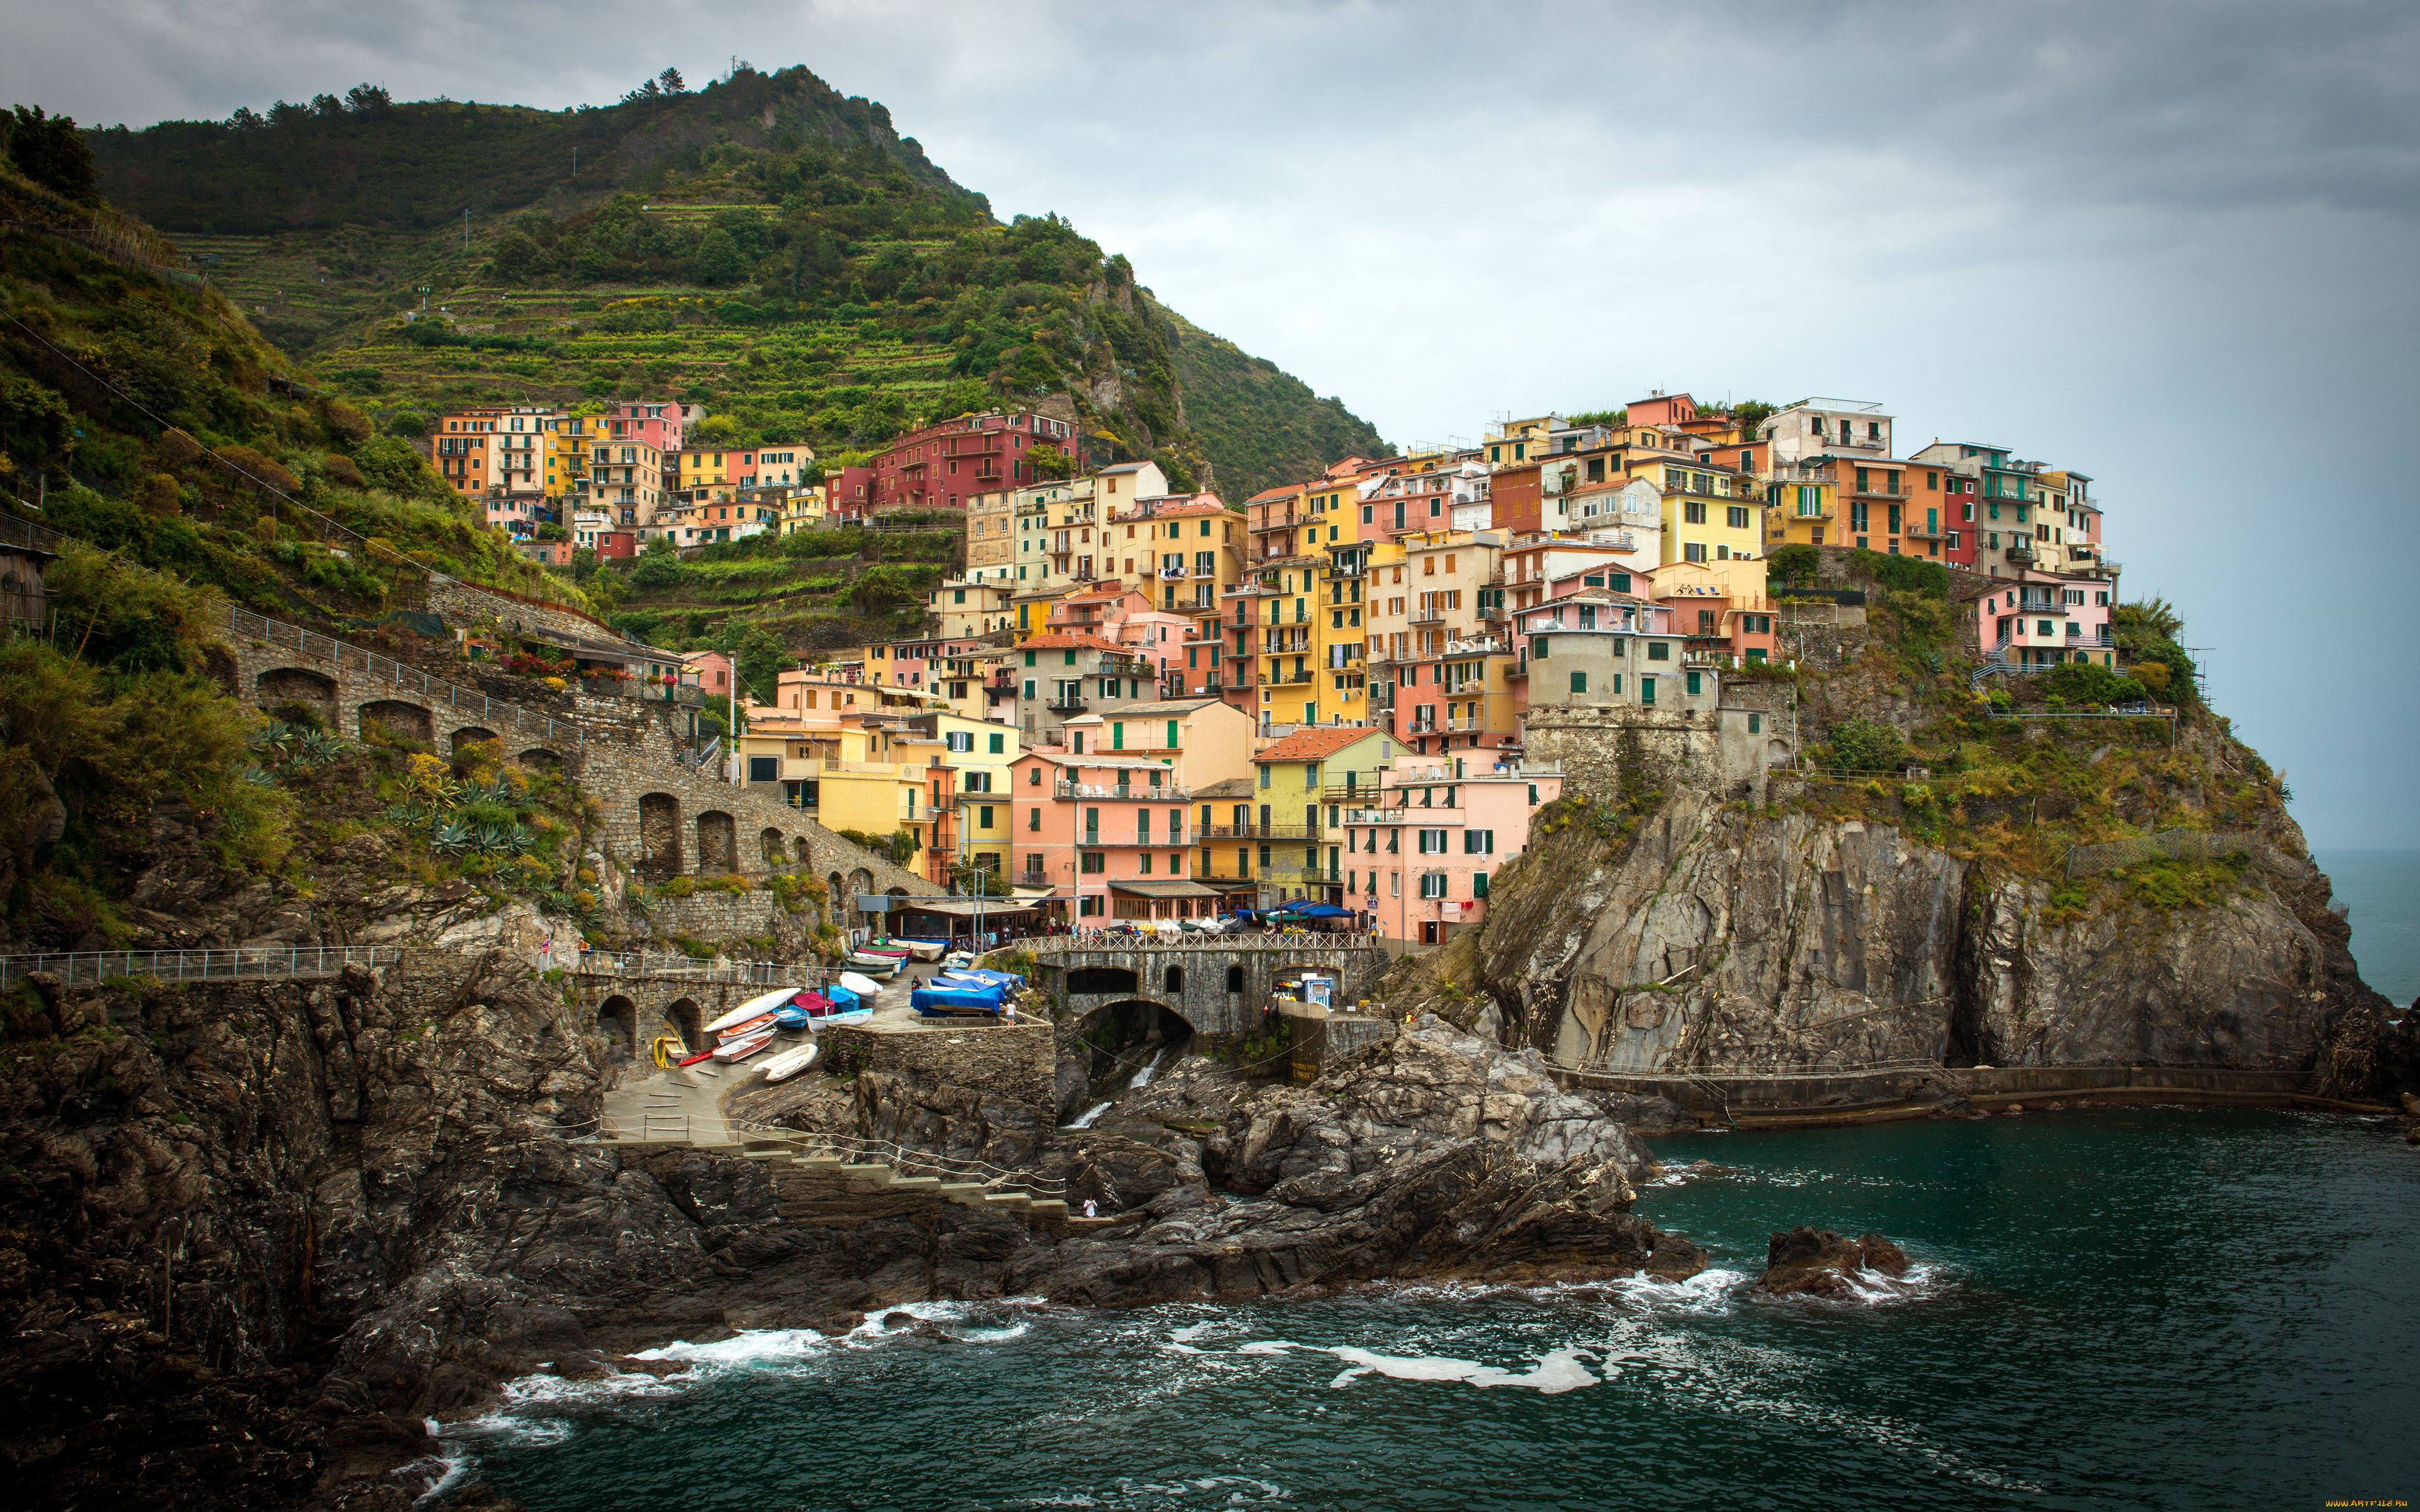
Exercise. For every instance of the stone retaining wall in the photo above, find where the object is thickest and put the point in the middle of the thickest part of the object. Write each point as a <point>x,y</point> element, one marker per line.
<point>1013,1062</point>
<point>1750,1094</point>
<point>621,752</point>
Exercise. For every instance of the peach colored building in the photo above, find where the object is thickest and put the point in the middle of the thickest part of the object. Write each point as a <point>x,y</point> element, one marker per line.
<point>1420,850</point>
<point>1107,829</point>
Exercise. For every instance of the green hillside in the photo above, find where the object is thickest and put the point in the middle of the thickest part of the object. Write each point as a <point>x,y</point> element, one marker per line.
<point>762,246</point>
<point>144,414</point>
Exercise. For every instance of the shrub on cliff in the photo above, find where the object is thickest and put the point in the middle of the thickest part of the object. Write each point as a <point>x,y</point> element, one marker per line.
<point>2082,682</point>
<point>1905,575</point>
<point>1861,744</point>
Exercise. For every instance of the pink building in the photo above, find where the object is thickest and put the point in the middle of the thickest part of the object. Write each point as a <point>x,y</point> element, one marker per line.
<point>638,420</point>
<point>1419,856</point>
<point>1108,834</point>
<point>2042,619</point>
<point>708,672</point>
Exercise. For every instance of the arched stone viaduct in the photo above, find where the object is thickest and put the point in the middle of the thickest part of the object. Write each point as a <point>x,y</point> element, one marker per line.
<point>662,818</point>
<point>1217,986</point>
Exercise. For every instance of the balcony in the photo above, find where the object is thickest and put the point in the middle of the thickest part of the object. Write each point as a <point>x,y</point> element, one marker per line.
<point>1427,616</point>
<point>1256,832</point>
<point>1169,574</point>
<point>1066,703</point>
<point>1292,678</point>
<point>1465,724</point>
<point>1166,792</point>
<point>1421,727</point>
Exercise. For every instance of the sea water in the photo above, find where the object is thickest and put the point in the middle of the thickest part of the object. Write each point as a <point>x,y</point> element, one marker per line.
<point>2382,889</point>
<point>2109,1308</point>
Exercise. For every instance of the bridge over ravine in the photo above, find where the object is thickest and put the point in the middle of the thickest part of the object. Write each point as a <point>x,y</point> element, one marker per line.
<point>1217,984</point>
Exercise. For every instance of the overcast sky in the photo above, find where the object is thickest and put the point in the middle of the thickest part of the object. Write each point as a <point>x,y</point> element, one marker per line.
<point>2169,246</point>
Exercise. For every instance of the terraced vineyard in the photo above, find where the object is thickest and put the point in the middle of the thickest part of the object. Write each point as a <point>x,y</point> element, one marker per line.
<point>763,247</point>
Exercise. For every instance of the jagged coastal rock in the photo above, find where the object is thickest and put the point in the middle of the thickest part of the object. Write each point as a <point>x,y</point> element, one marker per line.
<point>1817,1262</point>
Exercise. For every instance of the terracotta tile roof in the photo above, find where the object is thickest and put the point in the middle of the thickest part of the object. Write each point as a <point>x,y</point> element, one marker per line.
<point>1316,745</point>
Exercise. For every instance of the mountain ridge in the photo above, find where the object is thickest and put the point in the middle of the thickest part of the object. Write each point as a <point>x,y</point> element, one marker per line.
<point>765,246</point>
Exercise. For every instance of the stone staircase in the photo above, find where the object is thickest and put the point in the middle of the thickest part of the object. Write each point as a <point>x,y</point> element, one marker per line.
<point>808,1183</point>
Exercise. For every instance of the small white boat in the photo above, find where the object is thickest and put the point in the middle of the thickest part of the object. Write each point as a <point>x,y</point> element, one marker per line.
<point>922,949</point>
<point>874,965</point>
<point>746,1045</point>
<point>753,1008</point>
<point>790,1062</point>
<point>863,985</point>
<point>762,1023</point>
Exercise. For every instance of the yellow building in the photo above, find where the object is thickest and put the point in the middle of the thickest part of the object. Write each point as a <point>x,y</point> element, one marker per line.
<point>702,475</point>
<point>803,507</point>
<point>1710,513</point>
<point>966,792</point>
<point>1802,508</point>
<point>1340,634</point>
<point>1289,649</point>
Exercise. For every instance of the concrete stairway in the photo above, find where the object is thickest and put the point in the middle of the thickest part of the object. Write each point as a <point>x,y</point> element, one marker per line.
<point>876,1176</point>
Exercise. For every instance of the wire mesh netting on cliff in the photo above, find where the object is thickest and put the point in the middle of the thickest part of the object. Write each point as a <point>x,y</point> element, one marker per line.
<point>2168,845</point>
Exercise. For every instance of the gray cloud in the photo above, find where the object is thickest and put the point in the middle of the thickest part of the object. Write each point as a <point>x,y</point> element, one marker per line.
<point>2163,243</point>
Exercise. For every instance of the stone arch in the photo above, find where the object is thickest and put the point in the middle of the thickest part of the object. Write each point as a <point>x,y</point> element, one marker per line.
<point>617,1020</point>
<point>316,691</point>
<point>682,1016</point>
<point>1234,981</point>
<point>1172,982</point>
<point>839,892</point>
<point>400,721</point>
<point>770,843</point>
<point>718,841</point>
<point>471,734</point>
<point>660,836</point>
<point>860,881</point>
<point>1102,980</point>
<point>1131,1033</point>
<point>802,850</point>
<point>540,759</point>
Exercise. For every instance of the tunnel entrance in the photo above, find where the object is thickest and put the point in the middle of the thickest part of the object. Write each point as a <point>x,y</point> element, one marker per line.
<point>618,1021</point>
<point>1123,1048</point>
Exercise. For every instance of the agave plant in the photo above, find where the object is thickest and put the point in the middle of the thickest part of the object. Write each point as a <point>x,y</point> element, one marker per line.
<point>523,840</point>
<point>258,775</point>
<point>450,836</point>
<point>313,748</point>
<point>490,838</point>
<point>273,739</point>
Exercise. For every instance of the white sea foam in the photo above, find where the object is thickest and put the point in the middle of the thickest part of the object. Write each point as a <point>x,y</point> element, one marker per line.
<point>754,1347</point>
<point>1084,1120</point>
<point>1142,1079</point>
<point>1710,1291</point>
<point>1555,1371</point>
<point>440,1472</point>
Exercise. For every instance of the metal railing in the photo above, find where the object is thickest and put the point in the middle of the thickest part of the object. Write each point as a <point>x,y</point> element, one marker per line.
<point>404,678</point>
<point>1102,939</point>
<point>2168,845</point>
<point>666,965</point>
<point>241,962</point>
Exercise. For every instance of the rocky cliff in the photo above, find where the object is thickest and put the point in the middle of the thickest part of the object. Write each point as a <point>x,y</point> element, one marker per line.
<point>1714,937</point>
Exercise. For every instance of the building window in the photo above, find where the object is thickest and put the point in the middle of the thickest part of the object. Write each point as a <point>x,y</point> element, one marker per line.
<point>1094,863</point>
